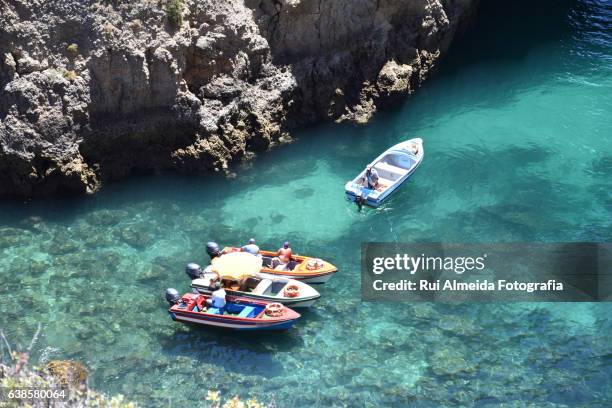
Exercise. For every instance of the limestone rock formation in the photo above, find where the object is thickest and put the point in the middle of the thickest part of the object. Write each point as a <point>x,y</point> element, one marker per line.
<point>92,90</point>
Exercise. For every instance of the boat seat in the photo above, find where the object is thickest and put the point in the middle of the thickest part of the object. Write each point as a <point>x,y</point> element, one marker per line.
<point>214,310</point>
<point>383,182</point>
<point>246,311</point>
<point>249,283</point>
<point>266,261</point>
<point>389,171</point>
<point>262,287</point>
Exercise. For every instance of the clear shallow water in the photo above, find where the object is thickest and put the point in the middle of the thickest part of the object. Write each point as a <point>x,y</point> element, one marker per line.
<point>518,130</point>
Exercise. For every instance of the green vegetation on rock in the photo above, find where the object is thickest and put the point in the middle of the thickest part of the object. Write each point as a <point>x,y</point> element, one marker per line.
<point>174,12</point>
<point>73,50</point>
<point>70,75</point>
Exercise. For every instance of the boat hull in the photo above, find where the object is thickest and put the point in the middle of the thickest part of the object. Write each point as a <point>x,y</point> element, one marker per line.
<point>314,279</point>
<point>190,319</point>
<point>305,301</point>
<point>192,309</point>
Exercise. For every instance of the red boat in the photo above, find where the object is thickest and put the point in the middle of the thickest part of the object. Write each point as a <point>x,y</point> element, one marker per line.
<point>239,313</point>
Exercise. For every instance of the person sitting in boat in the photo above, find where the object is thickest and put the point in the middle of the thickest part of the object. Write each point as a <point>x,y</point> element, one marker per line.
<point>218,297</point>
<point>251,247</point>
<point>414,148</point>
<point>285,250</point>
<point>280,263</point>
<point>371,177</point>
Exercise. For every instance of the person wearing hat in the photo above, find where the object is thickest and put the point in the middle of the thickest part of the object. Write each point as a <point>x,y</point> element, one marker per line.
<point>285,251</point>
<point>283,256</point>
<point>251,247</point>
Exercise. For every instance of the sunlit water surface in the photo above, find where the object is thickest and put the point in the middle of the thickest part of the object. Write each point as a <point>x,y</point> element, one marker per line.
<point>518,136</point>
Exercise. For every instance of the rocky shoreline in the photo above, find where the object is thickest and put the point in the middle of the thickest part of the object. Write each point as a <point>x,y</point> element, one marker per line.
<point>63,384</point>
<point>94,90</point>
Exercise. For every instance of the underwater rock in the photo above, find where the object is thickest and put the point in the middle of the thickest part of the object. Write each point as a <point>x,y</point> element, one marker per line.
<point>88,264</point>
<point>197,224</point>
<point>137,235</point>
<point>224,235</point>
<point>457,325</point>
<point>424,311</point>
<point>38,267</point>
<point>252,222</point>
<point>447,361</point>
<point>170,263</point>
<point>62,244</point>
<point>59,247</point>
<point>303,192</point>
<point>98,240</point>
<point>13,237</point>
<point>277,218</point>
<point>152,272</point>
<point>108,260</point>
<point>69,373</point>
<point>106,218</point>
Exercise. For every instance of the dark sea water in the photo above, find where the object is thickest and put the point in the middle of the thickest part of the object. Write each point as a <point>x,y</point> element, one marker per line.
<point>517,126</point>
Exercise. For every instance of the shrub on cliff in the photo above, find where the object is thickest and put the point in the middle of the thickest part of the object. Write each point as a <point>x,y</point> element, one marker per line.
<point>174,12</point>
<point>72,50</point>
<point>70,75</point>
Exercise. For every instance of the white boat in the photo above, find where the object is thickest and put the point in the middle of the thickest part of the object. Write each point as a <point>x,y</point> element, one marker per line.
<point>394,166</point>
<point>263,287</point>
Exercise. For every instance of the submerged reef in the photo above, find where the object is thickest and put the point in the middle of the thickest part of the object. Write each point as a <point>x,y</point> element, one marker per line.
<point>95,90</point>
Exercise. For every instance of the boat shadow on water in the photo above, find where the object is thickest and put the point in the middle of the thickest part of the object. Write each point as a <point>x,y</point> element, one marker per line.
<point>243,352</point>
<point>240,352</point>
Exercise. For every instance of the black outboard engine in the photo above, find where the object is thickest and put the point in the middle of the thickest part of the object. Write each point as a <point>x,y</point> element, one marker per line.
<point>172,296</point>
<point>193,270</point>
<point>213,250</point>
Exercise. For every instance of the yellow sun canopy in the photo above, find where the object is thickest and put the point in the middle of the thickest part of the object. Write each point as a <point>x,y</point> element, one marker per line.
<point>236,265</point>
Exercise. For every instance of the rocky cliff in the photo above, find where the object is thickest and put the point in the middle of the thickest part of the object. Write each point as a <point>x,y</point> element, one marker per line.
<point>94,90</point>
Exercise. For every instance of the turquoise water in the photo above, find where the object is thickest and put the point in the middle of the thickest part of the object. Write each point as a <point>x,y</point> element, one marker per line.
<point>518,136</point>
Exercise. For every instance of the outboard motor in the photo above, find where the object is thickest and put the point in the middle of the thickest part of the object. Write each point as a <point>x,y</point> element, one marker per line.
<point>193,270</point>
<point>172,296</point>
<point>213,250</point>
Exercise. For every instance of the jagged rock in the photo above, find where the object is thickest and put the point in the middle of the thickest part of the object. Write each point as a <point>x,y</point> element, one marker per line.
<point>68,373</point>
<point>394,78</point>
<point>93,90</point>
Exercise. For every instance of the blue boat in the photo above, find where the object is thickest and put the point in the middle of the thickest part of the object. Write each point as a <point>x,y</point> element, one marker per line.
<point>394,166</point>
